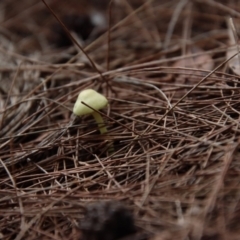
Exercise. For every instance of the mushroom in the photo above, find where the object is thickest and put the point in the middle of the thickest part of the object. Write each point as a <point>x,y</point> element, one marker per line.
<point>94,100</point>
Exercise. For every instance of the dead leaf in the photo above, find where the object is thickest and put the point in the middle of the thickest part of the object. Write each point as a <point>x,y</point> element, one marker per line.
<point>201,61</point>
<point>234,63</point>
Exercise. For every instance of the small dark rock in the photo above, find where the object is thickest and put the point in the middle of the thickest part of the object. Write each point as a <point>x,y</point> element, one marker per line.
<point>106,221</point>
<point>81,25</point>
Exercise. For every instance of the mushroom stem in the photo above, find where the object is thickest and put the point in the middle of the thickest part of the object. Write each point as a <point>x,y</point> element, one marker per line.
<point>101,126</point>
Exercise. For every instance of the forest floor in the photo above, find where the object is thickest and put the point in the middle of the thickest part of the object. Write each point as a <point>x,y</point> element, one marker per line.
<point>168,166</point>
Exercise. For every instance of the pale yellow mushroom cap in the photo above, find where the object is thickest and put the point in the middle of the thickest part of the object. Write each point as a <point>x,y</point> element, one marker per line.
<point>91,98</point>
